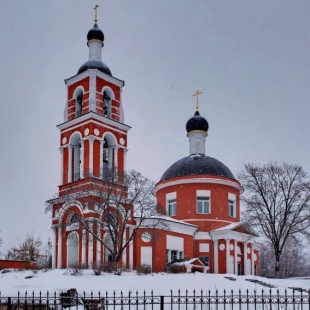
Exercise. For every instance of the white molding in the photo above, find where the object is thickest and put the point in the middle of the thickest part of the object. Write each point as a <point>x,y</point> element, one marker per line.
<point>207,220</point>
<point>64,127</point>
<point>187,180</point>
<point>76,78</point>
<point>202,236</point>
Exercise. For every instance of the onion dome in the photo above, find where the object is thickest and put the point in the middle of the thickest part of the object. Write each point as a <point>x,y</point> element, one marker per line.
<point>197,122</point>
<point>197,164</point>
<point>95,34</point>
<point>95,64</point>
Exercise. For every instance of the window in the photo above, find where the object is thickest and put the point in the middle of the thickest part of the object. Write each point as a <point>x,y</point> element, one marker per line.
<point>74,218</point>
<point>205,260</point>
<point>203,205</point>
<point>174,255</point>
<point>79,104</point>
<point>231,208</point>
<point>172,207</point>
<point>106,104</point>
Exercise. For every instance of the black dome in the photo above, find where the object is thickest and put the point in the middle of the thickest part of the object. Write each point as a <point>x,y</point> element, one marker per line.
<point>197,164</point>
<point>95,64</point>
<point>197,122</point>
<point>95,34</point>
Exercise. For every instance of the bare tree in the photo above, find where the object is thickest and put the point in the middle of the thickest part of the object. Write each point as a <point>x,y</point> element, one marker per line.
<point>294,260</point>
<point>114,203</point>
<point>28,250</point>
<point>277,201</point>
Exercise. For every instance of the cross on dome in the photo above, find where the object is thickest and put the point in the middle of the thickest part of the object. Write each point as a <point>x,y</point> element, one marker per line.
<point>95,8</point>
<point>197,93</point>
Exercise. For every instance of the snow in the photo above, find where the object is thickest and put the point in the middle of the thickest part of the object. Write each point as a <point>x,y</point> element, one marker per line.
<point>160,283</point>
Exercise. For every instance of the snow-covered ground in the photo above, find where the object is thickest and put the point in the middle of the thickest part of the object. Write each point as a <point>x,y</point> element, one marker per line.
<point>161,283</point>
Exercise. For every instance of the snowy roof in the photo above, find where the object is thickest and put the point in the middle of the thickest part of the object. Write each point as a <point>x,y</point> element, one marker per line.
<point>233,226</point>
<point>169,219</point>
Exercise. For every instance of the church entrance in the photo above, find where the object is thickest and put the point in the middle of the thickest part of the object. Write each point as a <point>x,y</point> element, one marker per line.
<point>72,249</point>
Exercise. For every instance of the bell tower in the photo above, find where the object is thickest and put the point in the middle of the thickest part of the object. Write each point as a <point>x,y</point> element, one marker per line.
<point>93,140</point>
<point>93,135</point>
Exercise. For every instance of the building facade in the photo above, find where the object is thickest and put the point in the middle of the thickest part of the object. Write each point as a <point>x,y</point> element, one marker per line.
<point>198,195</point>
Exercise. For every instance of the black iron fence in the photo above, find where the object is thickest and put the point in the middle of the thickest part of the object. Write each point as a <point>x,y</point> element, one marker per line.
<point>202,300</point>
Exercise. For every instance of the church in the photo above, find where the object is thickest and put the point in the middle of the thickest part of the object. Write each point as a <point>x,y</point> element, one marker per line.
<point>199,194</point>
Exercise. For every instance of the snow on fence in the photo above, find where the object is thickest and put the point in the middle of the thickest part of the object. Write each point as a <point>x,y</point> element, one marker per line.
<point>265,300</point>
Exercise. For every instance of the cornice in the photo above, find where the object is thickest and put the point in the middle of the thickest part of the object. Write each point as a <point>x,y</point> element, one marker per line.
<point>91,73</point>
<point>103,120</point>
<point>209,180</point>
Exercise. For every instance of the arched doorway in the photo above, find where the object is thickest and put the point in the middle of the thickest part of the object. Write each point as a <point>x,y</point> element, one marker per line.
<point>72,249</point>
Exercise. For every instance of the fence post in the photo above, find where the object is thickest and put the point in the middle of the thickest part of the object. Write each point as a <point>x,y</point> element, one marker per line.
<point>9,303</point>
<point>161,302</point>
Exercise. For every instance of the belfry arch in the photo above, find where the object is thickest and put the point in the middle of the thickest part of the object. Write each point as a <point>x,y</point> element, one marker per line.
<point>76,157</point>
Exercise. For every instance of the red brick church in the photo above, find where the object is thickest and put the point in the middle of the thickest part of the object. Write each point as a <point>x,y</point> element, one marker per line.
<point>200,195</point>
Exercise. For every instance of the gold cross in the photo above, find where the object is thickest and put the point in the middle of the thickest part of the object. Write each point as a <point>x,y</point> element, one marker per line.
<point>95,8</point>
<point>197,93</point>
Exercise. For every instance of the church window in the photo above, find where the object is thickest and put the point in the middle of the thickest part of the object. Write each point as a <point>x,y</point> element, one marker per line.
<point>107,99</point>
<point>111,222</point>
<point>174,255</point>
<point>172,207</point>
<point>232,205</point>
<point>231,208</point>
<point>203,205</point>
<point>205,260</point>
<point>74,218</point>
<point>78,103</point>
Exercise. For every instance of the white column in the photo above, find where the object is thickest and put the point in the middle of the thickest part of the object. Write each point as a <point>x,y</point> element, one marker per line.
<point>216,256</point>
<point>84,246</point>
<point>61,149</point>
<point>227,255</point>
<point>101,158</point>
<point>130,250</point>
<point>82,160</point>
<point>70,164</point>
<point>168,256</point>
<point>59,258</point>
<point>54,249</point>
<point>98,252</point>
<point>90,246</point>
<point>115,149</point>
<point>91,155</point>
<point>245,246</point>
<point>252,260</point>
<point>236,257</point>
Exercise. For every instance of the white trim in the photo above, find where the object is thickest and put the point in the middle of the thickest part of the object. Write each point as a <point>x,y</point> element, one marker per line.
<point>104,121</point>
<point>187,180</point>
<point>206,220</point>
<point>216,256</point>
<point>79,77</point>
<point>202,236</point>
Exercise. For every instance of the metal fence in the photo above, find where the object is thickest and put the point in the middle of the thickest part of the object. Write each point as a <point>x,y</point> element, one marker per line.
<point>202,300</point>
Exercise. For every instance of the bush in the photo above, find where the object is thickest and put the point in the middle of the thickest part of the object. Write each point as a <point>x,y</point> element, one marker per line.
<point>174,268</point>
<point>76,269</point>
<point>144,269</point>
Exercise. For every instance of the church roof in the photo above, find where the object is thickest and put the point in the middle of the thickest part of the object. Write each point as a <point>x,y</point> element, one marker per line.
<point>95,64</point>
<point>197,122</point>
<point>197,164</point>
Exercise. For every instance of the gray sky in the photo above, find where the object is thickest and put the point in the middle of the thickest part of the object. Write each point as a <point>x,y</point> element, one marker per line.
<point>249,58</point>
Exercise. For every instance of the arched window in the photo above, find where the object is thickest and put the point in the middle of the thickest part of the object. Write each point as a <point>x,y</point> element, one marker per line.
<point>105,154</point>
<point>74,218</point>
<point>111,223</point>
<point>76,157</point>
<point>107,102</point>
<point>78,103</point>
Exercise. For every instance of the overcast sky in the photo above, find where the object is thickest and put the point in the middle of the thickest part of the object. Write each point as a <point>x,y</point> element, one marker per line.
<point>249,58</point>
